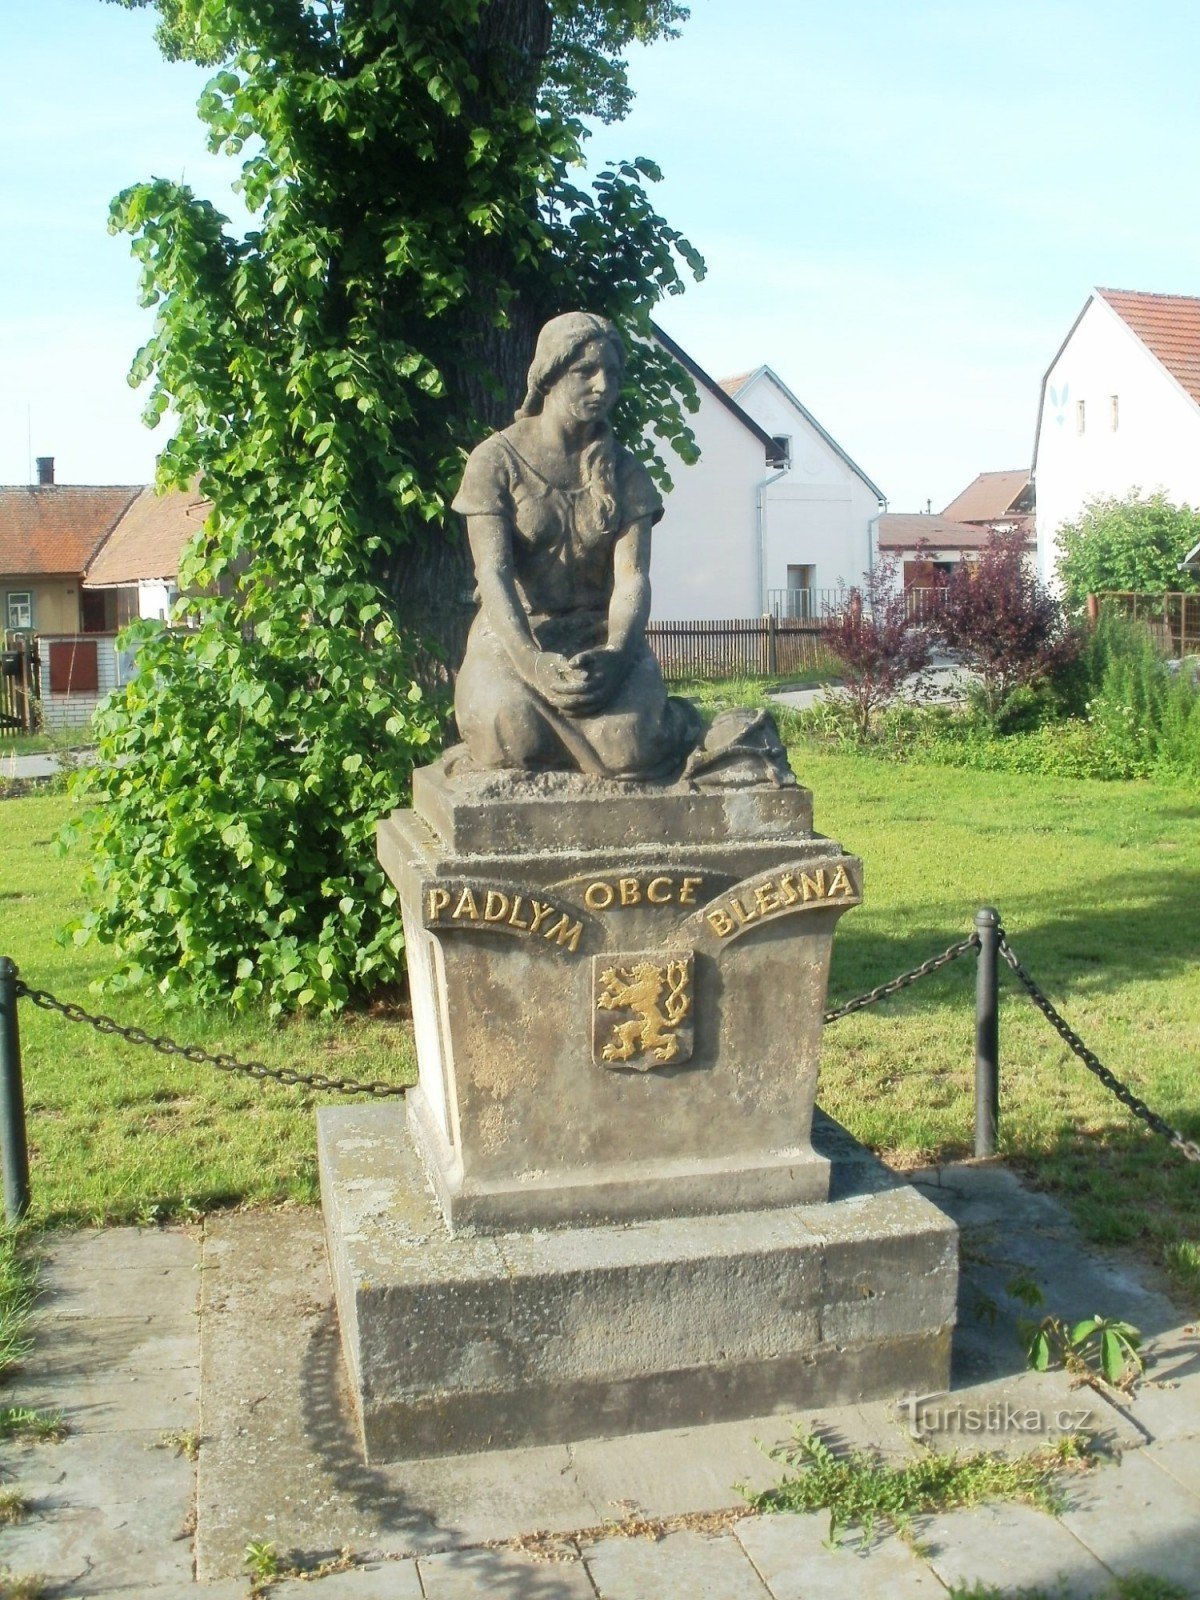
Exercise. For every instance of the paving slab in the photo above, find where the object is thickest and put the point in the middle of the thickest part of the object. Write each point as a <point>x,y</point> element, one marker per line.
<point>282,1459</point>
<point>378,1580</point>
<point>1012,1547</point>
<point>1138,1517</point>
<point>114,1549</point>
<point>504,1575</point>
<point>793,1556</point>
<point>1180,1458</point>
<point>682,1566</point>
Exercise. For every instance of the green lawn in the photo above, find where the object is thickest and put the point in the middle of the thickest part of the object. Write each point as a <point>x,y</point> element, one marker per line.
<point>120,1133</point>
<point>1099,886</point>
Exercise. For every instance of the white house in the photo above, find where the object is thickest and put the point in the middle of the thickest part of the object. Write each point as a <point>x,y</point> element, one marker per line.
<point>1120,409</point>
<point>773,510</point>
<point>819,511</point>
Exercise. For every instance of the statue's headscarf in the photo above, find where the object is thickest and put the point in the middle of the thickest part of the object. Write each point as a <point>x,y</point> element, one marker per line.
<point>558,344</point>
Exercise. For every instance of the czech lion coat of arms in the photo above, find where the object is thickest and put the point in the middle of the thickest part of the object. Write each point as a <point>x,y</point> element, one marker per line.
<point>642,1011</point>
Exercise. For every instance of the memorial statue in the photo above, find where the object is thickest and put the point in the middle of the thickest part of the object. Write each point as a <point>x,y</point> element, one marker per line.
<point>557,673</point>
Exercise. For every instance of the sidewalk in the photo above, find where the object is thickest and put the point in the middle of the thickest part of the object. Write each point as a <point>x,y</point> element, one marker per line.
<point>155,1341</point>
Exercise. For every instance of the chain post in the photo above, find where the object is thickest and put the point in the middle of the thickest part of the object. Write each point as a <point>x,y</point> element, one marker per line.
<point>987,1032</point>
<point>14,1148</point>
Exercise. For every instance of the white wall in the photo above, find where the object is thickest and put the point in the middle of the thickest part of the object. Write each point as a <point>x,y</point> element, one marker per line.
<point>820,512</point>
<point>1156,444</point>
<point>60,711</point>
<point>704,552</point>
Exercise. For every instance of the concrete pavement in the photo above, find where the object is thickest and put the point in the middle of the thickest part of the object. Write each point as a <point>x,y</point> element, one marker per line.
<point>219,1341</point>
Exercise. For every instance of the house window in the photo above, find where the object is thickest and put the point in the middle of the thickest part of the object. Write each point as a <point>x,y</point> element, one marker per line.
<point>1114,411</point>
<point>20,610</point>
<point>780,453</point>
<point>1080,416</point>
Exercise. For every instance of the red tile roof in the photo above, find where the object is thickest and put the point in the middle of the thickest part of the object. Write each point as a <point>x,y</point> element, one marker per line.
<point>738,381</point>
<point>990,498</point>
<point>904,530</point>
<point>1168,325</point>
<point>147,540</point>
<point>57,528</point>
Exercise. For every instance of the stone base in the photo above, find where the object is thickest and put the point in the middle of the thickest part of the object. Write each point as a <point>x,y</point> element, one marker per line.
<point>459,1343</point>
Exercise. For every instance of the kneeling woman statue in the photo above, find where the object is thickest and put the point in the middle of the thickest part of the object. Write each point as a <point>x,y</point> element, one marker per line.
<point>557,672</point>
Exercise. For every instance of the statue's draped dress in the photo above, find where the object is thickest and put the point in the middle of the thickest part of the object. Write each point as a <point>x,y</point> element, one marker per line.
<point>563,568</point>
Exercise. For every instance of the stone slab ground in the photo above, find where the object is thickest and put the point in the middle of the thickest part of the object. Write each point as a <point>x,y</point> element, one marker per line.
<point>145,1337</point>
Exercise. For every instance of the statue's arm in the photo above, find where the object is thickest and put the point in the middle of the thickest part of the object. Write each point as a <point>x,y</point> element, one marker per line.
<point>549,675</point>
<point>628,613</point>
<point>490,539</point>
<point>629,607</point>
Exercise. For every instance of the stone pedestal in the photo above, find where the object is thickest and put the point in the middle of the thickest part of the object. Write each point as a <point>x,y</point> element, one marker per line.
<point>465,1342</point>
<point>617,992</point>
<point>603,1210</point>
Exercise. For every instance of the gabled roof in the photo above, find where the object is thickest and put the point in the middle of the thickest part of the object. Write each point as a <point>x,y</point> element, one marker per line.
<point>992,496</point>
<point>904,530</point>
<point>737,386</point>
<point>55,529</point>
<point>701,377</point>
<point>148,538</point>
<point>1168,325</point>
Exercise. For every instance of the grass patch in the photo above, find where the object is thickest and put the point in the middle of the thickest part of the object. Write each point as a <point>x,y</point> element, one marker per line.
<point>14,1507</point>
<point>119,1133</point>
<point>18,1278</point>
<point>861,1491</point>
<point>22,1586</point>
<point>1133,1586</point>
<point>43,1427</point>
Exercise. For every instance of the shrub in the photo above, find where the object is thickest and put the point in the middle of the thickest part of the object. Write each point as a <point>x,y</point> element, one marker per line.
<point>1004,623</point>
<point>876,644</point>
<point>1135,544</point>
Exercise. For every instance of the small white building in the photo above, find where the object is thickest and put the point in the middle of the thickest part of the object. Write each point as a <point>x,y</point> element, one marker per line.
<point>773,512</point>
<point>1120,410</point>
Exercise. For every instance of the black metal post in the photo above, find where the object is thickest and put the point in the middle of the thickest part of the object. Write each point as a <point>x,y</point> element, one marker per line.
<point>987,1032</point>
<point>14,1150</point>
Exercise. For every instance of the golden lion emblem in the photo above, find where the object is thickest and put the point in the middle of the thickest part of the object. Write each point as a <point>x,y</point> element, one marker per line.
<point>660,997</point>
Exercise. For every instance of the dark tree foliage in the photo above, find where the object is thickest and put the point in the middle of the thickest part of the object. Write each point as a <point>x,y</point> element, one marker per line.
<point>1003,622</point>
<point>876,643</point>
<point>412,171</point>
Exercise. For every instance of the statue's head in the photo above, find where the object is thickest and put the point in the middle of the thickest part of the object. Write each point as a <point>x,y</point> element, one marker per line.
<point>560,342</point>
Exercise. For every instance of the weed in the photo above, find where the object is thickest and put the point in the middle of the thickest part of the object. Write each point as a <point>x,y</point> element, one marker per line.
<point>13,1507</point>
<point>22,1422</point>
<point>22,1586</point>
<point>861,1490</point>
<point>1096,1347</point>
<point>183,1441</point>
<point>261,1556</point>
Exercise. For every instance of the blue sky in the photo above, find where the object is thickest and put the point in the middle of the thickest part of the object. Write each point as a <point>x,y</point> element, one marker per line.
<point>903,207</point>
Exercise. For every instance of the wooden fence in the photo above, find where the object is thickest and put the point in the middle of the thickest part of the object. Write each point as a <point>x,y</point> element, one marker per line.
<point>1173,618</point>
<point>749,647</point>
<point>18,685</point>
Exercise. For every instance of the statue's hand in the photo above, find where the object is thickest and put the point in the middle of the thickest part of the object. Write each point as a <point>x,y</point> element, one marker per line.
<point>603,670</point>
<point>560,682</point>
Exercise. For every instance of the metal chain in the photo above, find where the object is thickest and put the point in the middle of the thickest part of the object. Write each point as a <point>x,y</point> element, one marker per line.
<point>881,991</point>
<point>1091,1061</point>
<point>194,1053</point>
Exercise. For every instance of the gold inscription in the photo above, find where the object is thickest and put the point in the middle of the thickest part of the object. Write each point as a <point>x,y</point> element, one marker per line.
<point>660,890</point>
<point>784,892</point>
<point>465,905</point>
